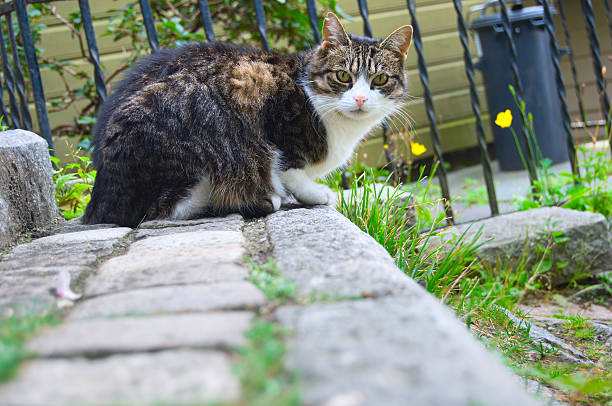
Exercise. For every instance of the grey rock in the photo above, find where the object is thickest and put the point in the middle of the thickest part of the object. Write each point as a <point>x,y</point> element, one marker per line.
<point>172,299</point>
<point>396,350</point>
<point>167,377</point>
<point>540,391</point>
<point>27,201</point>
<point>188,257</point>
<point>70,249</point>
<point>507,237</point>
<point>603,329</point>
<point>539,334</point>
<point>323,252</point>
<point>135,334</point>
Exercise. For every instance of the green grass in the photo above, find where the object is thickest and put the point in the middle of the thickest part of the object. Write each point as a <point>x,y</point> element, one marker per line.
<point>264,379</point>
<point>14,330</point>
<point>268,279</point>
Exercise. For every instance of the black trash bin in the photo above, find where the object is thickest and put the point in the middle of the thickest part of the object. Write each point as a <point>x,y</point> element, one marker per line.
<point>537,76</point>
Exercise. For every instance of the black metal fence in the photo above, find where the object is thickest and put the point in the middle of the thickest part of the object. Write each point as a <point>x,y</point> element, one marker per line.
<point>18,115</point>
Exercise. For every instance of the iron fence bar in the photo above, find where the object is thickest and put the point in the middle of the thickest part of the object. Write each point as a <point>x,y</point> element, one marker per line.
<point>35,80</point>
<point>554,47</point>
<point>93,49</point>
<point>206,20</point>
<point>367,31</point>
<point>475,100</point>
<point>5,115</point>
<point>260,14</point>
<point>363,10</point>
<point>519,90</point>
<point>149,23</point>
<point>429,107</point>
<point>587,11</point>
<point>19,79</point>
<point>9,84</point>
<point>609,17</point>
<point>568,44</point>
<point>314,21</point>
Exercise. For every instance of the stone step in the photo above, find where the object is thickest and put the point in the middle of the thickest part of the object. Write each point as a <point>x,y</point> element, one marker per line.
<point>172,299</point>
<point>167,377</point>
<point>105,336</point>
<point>402,347</point>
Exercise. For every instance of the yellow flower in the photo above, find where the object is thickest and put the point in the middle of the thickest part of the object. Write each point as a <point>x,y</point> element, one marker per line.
<point>386,146</point>
<point>417,149</point>
<point>504,119</point>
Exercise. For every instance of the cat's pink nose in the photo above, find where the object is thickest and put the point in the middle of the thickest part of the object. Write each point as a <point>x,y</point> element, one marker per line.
<point>360,100</point>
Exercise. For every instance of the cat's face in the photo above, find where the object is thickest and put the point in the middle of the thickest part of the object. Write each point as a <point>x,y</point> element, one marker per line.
<point>358,78</point>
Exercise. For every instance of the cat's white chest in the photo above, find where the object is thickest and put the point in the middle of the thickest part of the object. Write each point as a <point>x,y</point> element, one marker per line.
<point>343,135</point>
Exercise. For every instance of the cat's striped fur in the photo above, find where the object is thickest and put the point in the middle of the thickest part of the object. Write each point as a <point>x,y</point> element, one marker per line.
<point>210,128</point>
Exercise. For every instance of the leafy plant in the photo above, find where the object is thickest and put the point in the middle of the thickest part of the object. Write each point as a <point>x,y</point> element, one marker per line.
<point>261,369</point>
<point>73,185</point>
<point>3,127</point>
<point>269,280</point>
<point>14,330</point>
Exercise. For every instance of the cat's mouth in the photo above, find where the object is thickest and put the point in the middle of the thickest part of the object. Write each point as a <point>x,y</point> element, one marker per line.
<point>357,113</point>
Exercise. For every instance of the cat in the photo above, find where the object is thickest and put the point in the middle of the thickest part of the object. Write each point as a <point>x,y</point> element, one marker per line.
<point>212,128</point>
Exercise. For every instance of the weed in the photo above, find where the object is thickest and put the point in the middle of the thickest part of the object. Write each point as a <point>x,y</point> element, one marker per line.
<point>582,328</point>
<point>472,193</point>
<point>269,280</point>
<point>73,185</point>
<point>264,379</point>
<point>2,126</point>
<point>14,330</point>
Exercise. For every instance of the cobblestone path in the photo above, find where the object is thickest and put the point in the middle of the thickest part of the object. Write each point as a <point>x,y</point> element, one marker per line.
<point>166,306</point>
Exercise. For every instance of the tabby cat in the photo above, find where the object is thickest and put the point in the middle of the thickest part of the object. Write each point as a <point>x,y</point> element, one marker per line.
<point>211,128</point>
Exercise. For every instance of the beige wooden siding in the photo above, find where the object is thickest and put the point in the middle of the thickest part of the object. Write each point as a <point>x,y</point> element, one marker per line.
<point>441,46</point>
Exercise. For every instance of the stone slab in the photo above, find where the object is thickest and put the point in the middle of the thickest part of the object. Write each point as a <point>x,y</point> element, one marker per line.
<point>153,228</point>
<point>506,237</point>
<point>27,201</point>
<point>30,288</point>
<point>168,377</point>
<point>119,274</point>
<point>75,225</point>
<point>172,299</point>
<point>323,252</point>
<point>136,334</point>
<point>188,257</point>
<point>229,222</point>
<point>79,248</point>
<point>393,351</point>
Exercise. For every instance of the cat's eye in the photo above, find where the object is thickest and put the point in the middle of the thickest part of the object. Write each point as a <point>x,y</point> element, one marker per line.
<point>380,80</point>
<point>343,76</point>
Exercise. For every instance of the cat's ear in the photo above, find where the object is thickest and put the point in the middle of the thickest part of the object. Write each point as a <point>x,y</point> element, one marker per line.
<point>333,31</point>
<point>399,40</point>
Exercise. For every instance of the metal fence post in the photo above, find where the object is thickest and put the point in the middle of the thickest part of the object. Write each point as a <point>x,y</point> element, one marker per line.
<point>37,87</point>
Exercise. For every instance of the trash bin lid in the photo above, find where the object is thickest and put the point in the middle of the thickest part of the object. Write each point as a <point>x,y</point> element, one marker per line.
<point>491,20</point>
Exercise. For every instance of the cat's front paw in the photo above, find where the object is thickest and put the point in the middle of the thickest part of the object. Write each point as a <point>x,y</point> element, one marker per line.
<point>317,194</point>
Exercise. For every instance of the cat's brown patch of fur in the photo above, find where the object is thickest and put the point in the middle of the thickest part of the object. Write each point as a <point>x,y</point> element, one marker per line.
<point>252,82</point>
